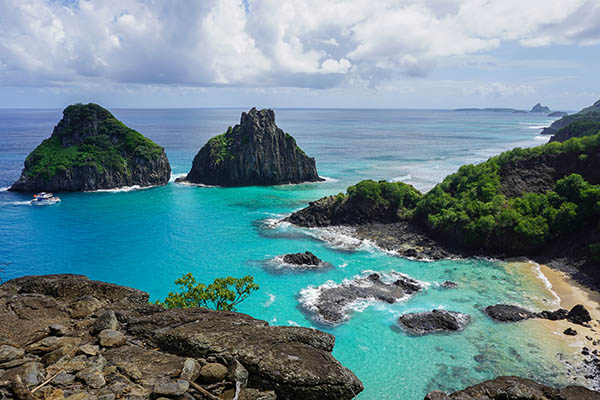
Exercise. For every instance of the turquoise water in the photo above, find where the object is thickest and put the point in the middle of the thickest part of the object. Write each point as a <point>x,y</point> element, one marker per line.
<point>147,238</point>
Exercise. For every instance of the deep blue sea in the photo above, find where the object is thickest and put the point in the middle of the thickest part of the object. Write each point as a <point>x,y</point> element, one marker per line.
<point>148,238</point>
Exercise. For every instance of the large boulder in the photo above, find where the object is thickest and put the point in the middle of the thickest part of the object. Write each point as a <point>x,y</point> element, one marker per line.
<point>294,362</point>
<point>255,152</point>
<point>435,321</point>
<point>90,149</point>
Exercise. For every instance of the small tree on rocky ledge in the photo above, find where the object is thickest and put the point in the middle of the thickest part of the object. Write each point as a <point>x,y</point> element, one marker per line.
<point>223,294</point>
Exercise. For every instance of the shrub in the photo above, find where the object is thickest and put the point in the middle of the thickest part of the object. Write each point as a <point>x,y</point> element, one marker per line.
<point>223,294</point>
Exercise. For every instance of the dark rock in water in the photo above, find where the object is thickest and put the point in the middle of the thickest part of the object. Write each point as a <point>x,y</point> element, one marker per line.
<point>579,315</point>
<point>449,285</point>
<point>558,114</point>
<point>295,362</point>
<point>515,388</point>
<point>508,313</point>
<point>556,315</point>
<point>538,108</point>
<point>434,321</point>
<point>306,259</point>
<point>90,149</point>
<point>332,304</point>
<point>255,152</point>
<point>570,332</point>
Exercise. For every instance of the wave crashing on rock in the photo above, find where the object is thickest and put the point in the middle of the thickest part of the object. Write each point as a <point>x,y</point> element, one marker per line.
<point>333,303</point>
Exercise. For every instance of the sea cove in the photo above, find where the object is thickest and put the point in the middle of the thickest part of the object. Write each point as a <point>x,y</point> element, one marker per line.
<point>147,238</point>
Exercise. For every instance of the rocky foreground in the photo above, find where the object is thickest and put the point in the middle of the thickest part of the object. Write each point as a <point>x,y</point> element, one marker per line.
<point>90,149</point>
<point>68,337</point>
<point>254,152</point>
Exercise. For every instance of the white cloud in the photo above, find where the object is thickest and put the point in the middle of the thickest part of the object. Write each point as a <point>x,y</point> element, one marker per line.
<point>303,43</point>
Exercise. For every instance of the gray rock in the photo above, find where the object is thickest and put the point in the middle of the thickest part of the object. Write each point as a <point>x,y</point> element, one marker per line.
<point>172,388</point>
<point>91,377</point>
<point>213,372</point>
<point>10,353</point>
<point>106,320</point>
<point>434,321</point>
<point>255,152</point>
<point>64,378</point>
<point>191,370</point>
<point>508,313</point>
<point>111,338</point>
<point>58,330</point>
<point>89,349</point>
<point>237,372</point>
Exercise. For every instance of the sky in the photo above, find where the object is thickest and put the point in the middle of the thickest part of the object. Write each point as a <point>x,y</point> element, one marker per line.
<point>300,53</point>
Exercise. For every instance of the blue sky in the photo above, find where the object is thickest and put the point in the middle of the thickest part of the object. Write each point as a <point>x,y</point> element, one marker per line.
<point>301,53</point>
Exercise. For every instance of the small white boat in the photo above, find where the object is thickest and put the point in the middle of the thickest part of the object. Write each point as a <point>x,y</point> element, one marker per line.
<point>44,199</point>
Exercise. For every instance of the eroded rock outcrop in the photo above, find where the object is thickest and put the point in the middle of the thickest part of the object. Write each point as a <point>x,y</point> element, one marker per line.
<point>90,149</point>
<point>255,152</point>
<point>515,388</point>
<point>433,322</point>
<point>146,351</point>
<point>512,313</point>
<point>588,114</point>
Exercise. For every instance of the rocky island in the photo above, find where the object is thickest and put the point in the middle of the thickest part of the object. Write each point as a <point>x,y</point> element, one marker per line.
<point>90,149</point>
<point>254,152</point>
<point>538,108</point>
<point>93,340</point>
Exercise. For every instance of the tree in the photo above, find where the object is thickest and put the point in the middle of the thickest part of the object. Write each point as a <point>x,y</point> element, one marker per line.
<point>223,294</point>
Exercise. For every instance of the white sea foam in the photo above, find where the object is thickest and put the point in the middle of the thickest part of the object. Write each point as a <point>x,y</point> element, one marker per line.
<point>278,263</point>
<point>538,270</point>
<point>340,238</point>
<point>18,203</point>
<point>271,300</point>
<point>202,185</point>
<point>121,189</point>
<point>309,296</point>
<point>175,176</point>
<point>344,265</point>
<point>537,126</point>
<point>406,177</point>
<point>4,189</point>
<point>544,138</point>
<point>293,323</point>
<point>328,179</point>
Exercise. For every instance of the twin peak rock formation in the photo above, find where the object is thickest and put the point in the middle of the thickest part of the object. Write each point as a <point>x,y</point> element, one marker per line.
<point>90,149</point>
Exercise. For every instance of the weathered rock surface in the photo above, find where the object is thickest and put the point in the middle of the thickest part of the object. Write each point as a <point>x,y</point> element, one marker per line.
<point>164,350</point>
<point>514,388</point>
<point>579,315</point>
<point>433,321</point>
<point>508,313</point>
<point>306,259</point>
<point>90,149</point>
<point>255,152</point>
<point>332,304</point>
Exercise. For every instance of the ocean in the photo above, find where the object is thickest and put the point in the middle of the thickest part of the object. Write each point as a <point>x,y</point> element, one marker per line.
<point>146,238</point>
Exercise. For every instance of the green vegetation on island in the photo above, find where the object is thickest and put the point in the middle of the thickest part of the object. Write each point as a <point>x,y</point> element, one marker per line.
<point>469,210</point>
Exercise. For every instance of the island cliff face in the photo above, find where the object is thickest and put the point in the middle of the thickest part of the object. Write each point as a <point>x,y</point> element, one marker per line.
<point>90,149</point>
<point>99,340</point>
<point>579,124</point>
<point>255,152</point>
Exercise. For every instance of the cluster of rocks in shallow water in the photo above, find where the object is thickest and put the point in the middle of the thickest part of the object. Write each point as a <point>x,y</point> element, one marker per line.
<point>94,340</point>
<point>512,313</point>
<point>333,303</point>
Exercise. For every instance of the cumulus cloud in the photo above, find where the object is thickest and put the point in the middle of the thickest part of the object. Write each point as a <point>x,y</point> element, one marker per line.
<point>300,43</point>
